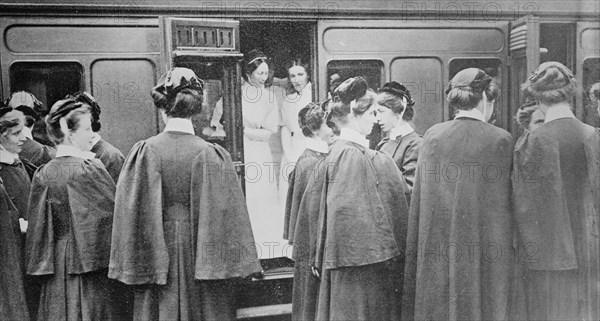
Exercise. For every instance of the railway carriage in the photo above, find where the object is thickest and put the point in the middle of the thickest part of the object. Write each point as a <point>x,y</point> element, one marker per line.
<point>117,50</point>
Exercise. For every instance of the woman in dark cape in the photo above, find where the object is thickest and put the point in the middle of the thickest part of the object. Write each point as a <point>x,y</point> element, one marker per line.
<point>33,151</point>
<point>362,218</point>
<point>181,233</point>
<point>394,114</point>
<point>557,202</point>
<point>109,155</point>
<point>460,230</point>
<point>70,220</point>
<point>298,229</point>
<point>12,291</point>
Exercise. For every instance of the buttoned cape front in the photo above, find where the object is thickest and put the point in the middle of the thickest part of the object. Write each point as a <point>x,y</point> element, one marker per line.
<point>224,245</point>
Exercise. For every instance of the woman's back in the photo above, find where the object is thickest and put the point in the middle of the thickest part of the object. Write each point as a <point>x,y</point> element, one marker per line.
<point>177,151</point>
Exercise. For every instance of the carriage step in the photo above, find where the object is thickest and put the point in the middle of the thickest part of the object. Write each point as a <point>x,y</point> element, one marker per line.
<point>264,311</point>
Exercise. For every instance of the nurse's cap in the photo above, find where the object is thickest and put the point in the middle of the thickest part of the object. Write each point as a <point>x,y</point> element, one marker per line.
<point>178,79</point>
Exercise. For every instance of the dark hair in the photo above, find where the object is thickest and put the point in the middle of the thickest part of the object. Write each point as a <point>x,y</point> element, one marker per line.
<point>351,96</point>
<point>179,93</point>
<point>551,83</point>
<point>30,115</point>
<point>311,118</point>
<point>70,109</point>
<point>88,99</point>
<point>252,60</point>
<point>466,89</point>
<point>396,97</point>
<point>297,62</point>
<point>8,119</point>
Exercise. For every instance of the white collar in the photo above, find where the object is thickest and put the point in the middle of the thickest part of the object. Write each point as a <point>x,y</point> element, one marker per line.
<point>27,132</point>
<point>402,130</point>
<point>63,150</point>
<point>471,113</point>
<point>96,139</point>
<point>318,145</point>
<point>7,157</point>
<point>183,125</point>
<point>557,112</point>
<point>354,136</point>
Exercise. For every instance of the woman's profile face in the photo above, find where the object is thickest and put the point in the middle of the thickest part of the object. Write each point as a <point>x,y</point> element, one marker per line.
<point>366,121</point>
<point>298,77</point>
<point>12,139</point>
<point>386,118</point>
<point>260,75</point>
<point>83,136</point>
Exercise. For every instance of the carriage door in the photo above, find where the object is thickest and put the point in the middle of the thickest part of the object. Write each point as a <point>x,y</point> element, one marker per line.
<point>587,71</point>
<point>524,46</point>
<point>211,49</point>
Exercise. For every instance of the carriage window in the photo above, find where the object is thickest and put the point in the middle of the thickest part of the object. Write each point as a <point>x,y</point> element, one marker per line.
<point>48,81</point>
<point>591,75</point>
<point>493,68</point>
<point>209,123</point>
<point>340,70</point>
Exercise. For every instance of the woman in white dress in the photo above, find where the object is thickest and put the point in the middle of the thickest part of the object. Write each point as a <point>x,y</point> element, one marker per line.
<point>259,109</point>
<point>298,96</point>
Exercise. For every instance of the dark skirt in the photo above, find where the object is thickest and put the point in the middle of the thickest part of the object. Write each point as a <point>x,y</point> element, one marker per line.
<point>370,292</point>
<point>12,292</point>
<point>305,293</point>
<point>184,297</point>
<point>75,297</point>
<point>213,300</point>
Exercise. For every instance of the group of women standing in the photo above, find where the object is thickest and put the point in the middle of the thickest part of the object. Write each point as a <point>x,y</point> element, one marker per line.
<point>494,231</point>
<point>172,225</point>
<point>459,224</point>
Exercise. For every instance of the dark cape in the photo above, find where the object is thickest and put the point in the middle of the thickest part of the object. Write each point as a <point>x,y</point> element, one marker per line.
<point>110,156</point>
<point>181,224</point>
<point>68,239</point>
<point>361,234</point>
<point>405,151</point>
<point>300,227</point>
<point>460,232</point>
<point>557,204</point>
<point>17,182</point>
<point>36,153</point>
<point>13,305</point>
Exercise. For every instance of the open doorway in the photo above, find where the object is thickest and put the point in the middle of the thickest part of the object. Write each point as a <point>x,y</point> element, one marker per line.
<point>280,41</point>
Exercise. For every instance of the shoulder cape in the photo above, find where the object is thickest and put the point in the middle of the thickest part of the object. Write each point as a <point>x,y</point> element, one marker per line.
<point>91,200</point>
<point>540,201</point>
<point>138,251</point>
<point>361,207</point>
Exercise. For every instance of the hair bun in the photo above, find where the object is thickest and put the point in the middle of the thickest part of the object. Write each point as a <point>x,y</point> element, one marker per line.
<point>398,89</point>
<point>550,76</point>
<point>351,89</point>
<point>470,79</point>
<point>62,108</point>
